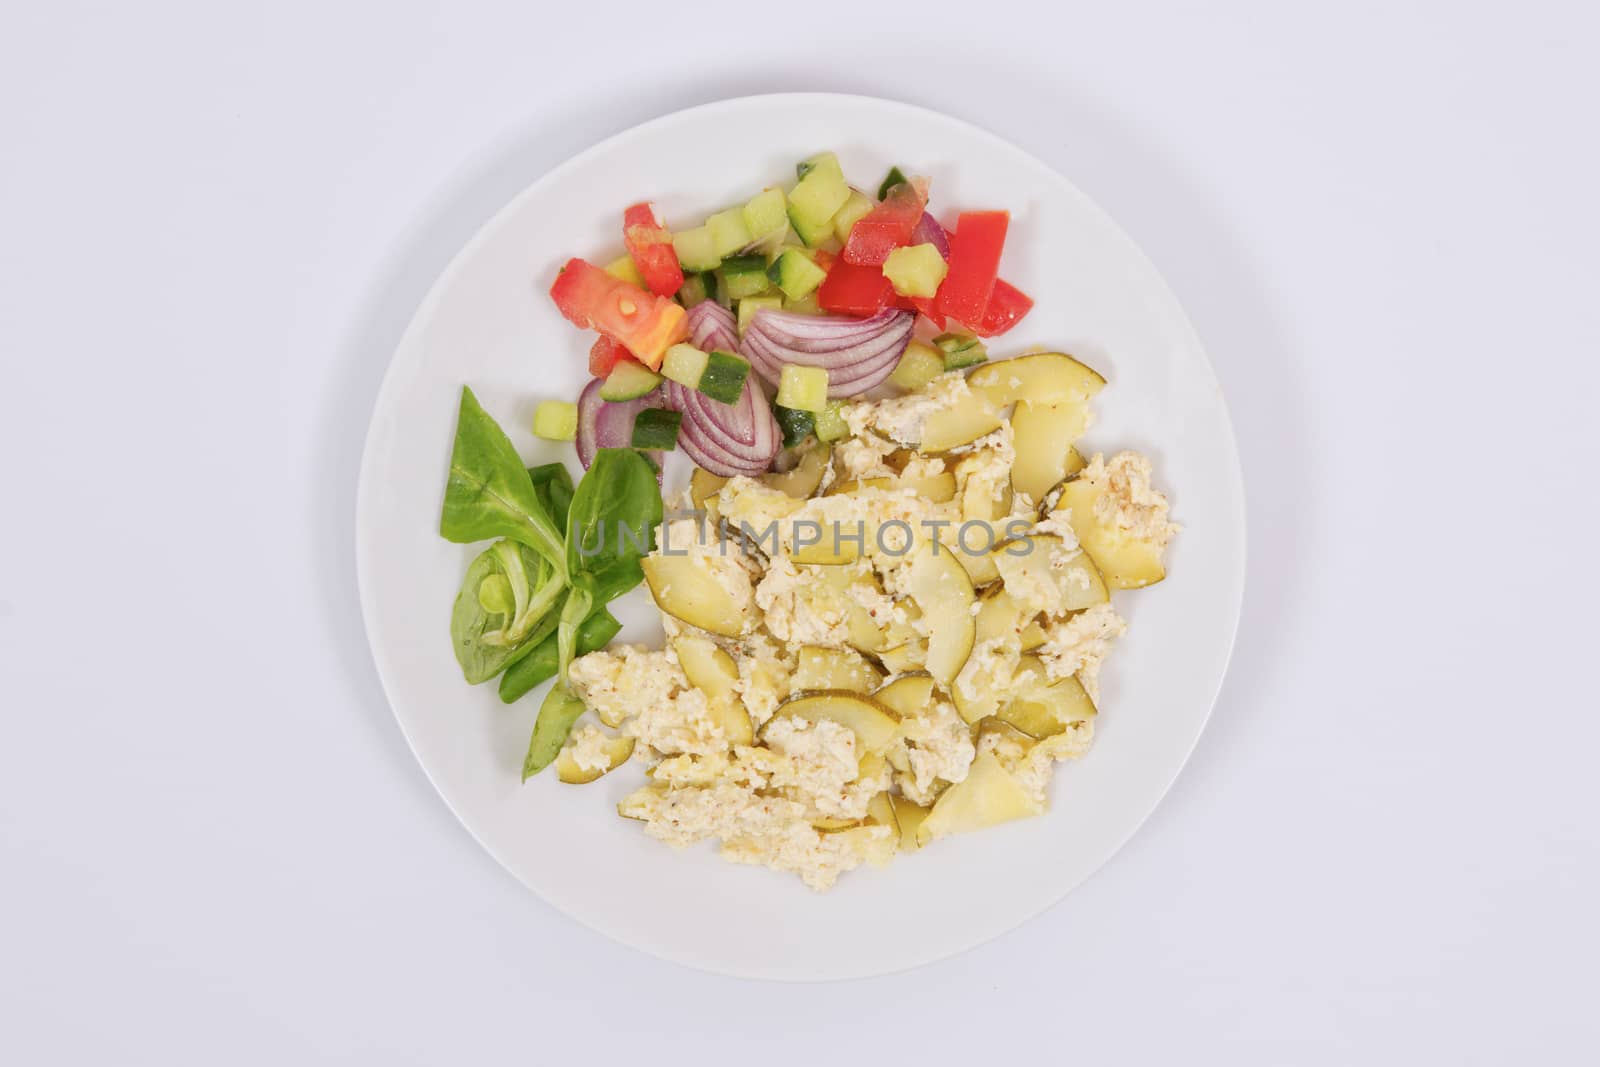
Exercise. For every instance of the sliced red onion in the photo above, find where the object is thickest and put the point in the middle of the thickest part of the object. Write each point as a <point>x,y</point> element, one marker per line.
<point>712,327</point>
<point>726,439</point>
<point>929,232</point>
<point>858,354</point>
<point>609,424</point>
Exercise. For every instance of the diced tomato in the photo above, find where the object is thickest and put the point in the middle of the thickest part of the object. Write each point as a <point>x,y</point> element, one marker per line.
<point>650,245</point>
<point>646,324</point>
<point>974,265</point>
<point>606,354</point>
<point>855,290</point>
<point>1007,306</point>
<point>887,226</point>
<point>823,258</point>
<point>922,305</point>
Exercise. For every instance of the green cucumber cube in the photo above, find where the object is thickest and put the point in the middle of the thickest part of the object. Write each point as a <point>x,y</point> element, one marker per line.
<point>919,365</point>
<point>766,213</point>
<point>829,424</point>
<point>795,273</point>
<point>827,161</point>
<point>746,276</point>
<point>814,234</point>
<point>960,350</point>
<point>685,364</point>
<point>752,304</point>
<point>696,249</point>
<point>729,233</point>
<point>555,420</point>
<point>803,388</point>
<point>856,206</point>
<point>818,196</point>
<point>915,271</point>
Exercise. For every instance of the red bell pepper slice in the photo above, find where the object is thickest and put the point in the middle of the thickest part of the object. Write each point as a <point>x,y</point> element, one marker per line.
<point>886,227</point>
<point>855,290</point>
<point>1007,306</point>
<point>974,265</point>
<point>650,245</point>
<point>923,305</point>
<point>605,355</point>
<point>646,324</point>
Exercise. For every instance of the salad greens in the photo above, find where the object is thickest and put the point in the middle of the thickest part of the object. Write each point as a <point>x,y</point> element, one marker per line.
<point>561,553</point>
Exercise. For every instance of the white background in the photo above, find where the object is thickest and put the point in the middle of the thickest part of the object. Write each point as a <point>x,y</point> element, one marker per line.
<point>215,221</point>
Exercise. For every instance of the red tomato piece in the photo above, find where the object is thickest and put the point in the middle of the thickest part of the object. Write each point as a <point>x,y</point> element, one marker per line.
<point>855,290</point>
<point>886,227</point>
<point>650,245</point>
<point>646,324</point>
<point>605,354</point>
<point>1007,306</point>
<point>974,265</point>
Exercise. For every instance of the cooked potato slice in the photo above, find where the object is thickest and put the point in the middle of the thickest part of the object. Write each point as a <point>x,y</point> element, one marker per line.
<point>802,481</point>
<point>617,750</point>
<point>908,695</point>
<point>713,672</point>
<point>1044,436</point>
<point>960,424</point>
<point>874,724</point>
<point>1125,562</point>
<point>684,588</point>
<point>835,668</point>
<point>909,818</point>
<point>941,588</point>
<point>1049,576</point>
<point>986,797</point>
<point>1041,378</point>
<point>704,486</point>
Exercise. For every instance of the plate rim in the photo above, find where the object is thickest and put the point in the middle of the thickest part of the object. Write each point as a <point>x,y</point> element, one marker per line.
<point>419,317</point>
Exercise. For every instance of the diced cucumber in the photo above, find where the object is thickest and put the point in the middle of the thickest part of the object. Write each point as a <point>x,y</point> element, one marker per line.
<point>555,420</point>
<point>803,388</point>
<point>855,207</point>
<point>626,269</point>
<point>795,274</point>
<point>752,304</point>
<point>830,424</point>
<point>806,305</point>
<point>697,288</point>
<point>818,196</point>
<point>960,350</point>
<point>919,365</point>
<point>729,234</point>
<point>766,214</point>
<point>915,271</point>
<point>745,275</point>
<point>684,364</point>
<point>795,425</point>
<point>826,160</point>
<point>629,381</point>
<point>814,234</point>
<point>890,180</point>
<point>656,430</point>
<point>723,377</point>
<point>696,250</point>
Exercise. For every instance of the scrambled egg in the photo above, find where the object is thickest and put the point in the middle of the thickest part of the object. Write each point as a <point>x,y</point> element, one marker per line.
<point>727,762</point>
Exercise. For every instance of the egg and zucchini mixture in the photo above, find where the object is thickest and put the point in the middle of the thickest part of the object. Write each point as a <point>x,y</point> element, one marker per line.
<point>823,702</point>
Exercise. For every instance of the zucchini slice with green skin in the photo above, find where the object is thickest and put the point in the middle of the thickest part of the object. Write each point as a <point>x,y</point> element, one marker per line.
<point>629,381</point>
<point>745,276</point>
<point>960,350</point>
<point>656,430</point>
<point>719,375</point>
<point>795,274</point>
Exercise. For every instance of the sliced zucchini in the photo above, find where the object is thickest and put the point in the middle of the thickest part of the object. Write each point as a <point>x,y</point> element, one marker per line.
<point>1037,578</point>
<point>617,750</point>
<point>1042,378</point>
<point>1125,562</point>
<point>942,590</point>
<point>704,486</point>
<point>796,425</point>
<point>802,481</point>
<point>713,672</point>
<point>1044,436</point>
<point>835,669</point>
<point>684,588</point>
<point>968,419</point>
<point>829,423</point>
<point>910,655</point>
<point>909,817</point>
<point>908,695</point>
<point>987,797</point>
<point>919,365</point>
<point>874,725</point>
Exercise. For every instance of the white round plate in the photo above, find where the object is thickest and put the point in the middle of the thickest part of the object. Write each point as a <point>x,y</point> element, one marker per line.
<point>490,324</point>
